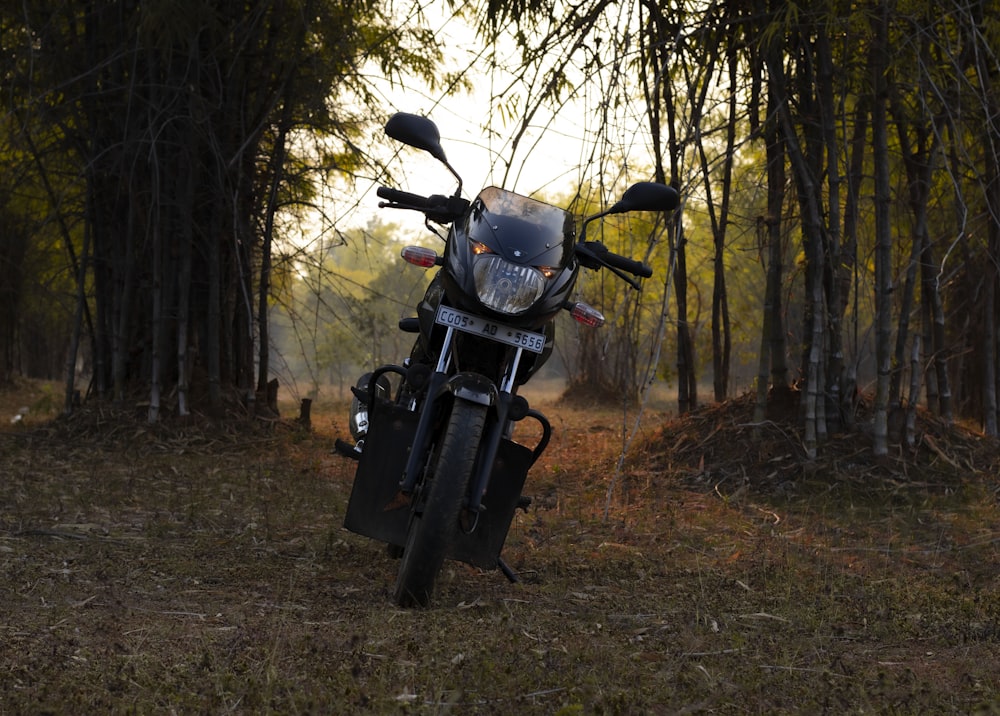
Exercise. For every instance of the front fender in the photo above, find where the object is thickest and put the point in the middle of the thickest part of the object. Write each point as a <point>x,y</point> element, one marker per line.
<point>473,388</point>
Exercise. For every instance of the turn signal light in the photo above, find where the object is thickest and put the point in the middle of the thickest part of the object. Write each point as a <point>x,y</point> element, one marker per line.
<point>420,256</point>
<point>587,315</point>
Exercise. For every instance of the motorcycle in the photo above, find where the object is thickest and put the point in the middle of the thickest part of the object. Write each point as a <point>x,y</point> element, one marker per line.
<point>439,473</point>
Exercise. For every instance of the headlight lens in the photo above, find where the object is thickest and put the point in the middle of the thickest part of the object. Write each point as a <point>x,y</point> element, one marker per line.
<point>506,287</point>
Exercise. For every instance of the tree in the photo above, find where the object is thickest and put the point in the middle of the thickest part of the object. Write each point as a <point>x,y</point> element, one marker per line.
<point>338,318</point>
<point>883,227</point>
<point>162,147</point>
<point>13,247</point>
<point>617,360</point>
<point>845,125</point>
<point>179,129</point>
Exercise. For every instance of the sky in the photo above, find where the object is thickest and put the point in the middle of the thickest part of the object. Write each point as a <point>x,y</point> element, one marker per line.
<point>547,162</point>
<point>555,158</point>
<point>479,153</point>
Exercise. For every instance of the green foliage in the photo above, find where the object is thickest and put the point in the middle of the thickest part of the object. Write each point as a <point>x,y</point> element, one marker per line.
<point>37,278</point>
<point>339,316</point>
<point>183,139</point>
<point>615,359</point>
<point>164,144</point>
<point>803,75</point>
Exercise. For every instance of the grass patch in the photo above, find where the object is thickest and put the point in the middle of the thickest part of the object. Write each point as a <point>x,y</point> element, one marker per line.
<point>203,569</point>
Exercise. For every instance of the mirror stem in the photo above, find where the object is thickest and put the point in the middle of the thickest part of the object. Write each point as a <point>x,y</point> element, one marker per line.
<point>458,191</point>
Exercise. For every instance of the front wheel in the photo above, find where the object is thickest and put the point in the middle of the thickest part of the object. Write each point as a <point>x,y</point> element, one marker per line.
<point>430,530</point>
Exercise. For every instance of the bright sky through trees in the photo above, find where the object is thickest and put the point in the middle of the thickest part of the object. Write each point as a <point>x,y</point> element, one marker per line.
<point>478,126</point>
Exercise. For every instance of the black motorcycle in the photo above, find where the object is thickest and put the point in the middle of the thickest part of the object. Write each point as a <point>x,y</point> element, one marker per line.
<point>439,473</point>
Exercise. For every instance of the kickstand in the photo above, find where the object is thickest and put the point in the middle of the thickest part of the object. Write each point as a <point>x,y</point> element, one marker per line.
<point>507,571</point>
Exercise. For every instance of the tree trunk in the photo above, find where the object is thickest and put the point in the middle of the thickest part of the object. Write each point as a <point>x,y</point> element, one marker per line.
<point>687,386</point>
<point>988,72</point>
<point>917,163</point>
<point>833,266</point>
<point>848,273</point>
<point>812,233</point>
<point>277,176</point>
<point>911,405</point>
<point>661,97</point>
<point>721,328</point>
<point>157,214</point>
<point>185,190</point>
<point>883,232</point>
<point>263,289</point>
<point>772,368</point>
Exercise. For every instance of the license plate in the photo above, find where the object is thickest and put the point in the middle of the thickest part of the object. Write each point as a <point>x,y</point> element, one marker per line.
<point>476,325</point>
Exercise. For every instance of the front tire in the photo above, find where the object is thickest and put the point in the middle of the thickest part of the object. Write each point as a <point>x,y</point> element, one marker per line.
<point>431,530</point>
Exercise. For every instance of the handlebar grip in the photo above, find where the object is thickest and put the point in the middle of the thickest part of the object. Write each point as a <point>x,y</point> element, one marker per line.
<point>398,196</point>
<point>636,268</point>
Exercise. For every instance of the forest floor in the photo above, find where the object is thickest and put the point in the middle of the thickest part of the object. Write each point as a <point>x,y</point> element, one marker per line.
<point>196,567</point>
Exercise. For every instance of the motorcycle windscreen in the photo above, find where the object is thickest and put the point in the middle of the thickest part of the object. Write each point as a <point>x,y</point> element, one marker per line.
<point>377,509</point>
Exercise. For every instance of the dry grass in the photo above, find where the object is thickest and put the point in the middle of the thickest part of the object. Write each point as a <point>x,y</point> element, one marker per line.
<point>202,568</point>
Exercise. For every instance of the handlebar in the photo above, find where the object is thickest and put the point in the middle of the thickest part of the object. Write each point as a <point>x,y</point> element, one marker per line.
<point>595,255</point>
<point>445,209</point>
<point>436,207</point>
<point>636,268</point>
<point>397,196</point>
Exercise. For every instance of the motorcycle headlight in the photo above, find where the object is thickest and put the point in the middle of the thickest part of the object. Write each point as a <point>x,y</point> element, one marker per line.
<point>506,287</point>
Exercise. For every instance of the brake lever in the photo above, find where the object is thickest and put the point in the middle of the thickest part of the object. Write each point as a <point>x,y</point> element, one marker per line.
<point>397,205</point>
<point>593,261</point>
<point>633,282</point>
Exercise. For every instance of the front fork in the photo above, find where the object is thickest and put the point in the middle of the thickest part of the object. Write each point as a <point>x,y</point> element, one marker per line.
<point>477,389</point>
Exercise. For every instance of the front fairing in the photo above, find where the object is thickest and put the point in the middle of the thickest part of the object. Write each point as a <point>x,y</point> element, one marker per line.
<point>521,229</point>
<point>520,236</point>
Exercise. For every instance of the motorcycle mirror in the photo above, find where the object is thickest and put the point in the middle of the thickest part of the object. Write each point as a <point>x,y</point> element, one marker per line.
<point>643,196</point>
<point>420,133</point>
<point>416,131</point>
<point>646,196</point>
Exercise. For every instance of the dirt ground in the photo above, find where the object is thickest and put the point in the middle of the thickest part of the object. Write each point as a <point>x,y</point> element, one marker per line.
<point>201,567</point>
